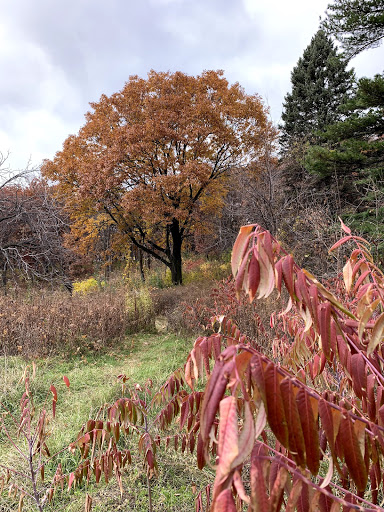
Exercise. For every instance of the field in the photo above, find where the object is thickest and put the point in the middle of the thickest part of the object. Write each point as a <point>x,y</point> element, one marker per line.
<point>93,382</point>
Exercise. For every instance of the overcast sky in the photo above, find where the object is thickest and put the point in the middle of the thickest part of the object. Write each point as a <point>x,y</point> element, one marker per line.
<point>58,55</point>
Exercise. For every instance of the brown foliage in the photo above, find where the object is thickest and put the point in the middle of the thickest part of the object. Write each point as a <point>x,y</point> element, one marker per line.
<point>52,322</point>
<point>150,156</point>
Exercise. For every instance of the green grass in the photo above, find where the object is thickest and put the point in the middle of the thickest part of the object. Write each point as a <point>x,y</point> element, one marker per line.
<point>93,382</point>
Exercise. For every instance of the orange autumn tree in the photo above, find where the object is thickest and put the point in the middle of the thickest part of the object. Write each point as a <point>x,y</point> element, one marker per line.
<point>150,155</point>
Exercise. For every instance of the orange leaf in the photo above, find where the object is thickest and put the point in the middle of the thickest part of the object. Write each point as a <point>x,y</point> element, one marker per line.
<point>347,274</point>
<point>240,247</point>
<point>377,334</point>
<point>228,448</point>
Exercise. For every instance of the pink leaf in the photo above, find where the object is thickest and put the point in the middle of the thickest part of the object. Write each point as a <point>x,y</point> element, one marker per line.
<point>344,227</point>
<point>70,480</point>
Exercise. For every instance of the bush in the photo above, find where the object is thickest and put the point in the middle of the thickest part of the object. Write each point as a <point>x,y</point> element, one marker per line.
<point>302,427</point>
<point>43,323</point>
<point>87,286</point>
<point>139,308</point>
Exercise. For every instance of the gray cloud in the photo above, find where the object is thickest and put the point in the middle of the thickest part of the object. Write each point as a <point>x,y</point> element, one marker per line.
<point>55,57</point>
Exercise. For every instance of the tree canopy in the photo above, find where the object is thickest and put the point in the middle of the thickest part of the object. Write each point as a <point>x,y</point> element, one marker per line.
<point>357,24</point>
<point>151,155</point>
<point>320,83</point>
<point>353,152</point>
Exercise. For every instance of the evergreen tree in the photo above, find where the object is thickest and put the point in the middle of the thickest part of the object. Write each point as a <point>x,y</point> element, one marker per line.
<point>353,153</point>
<point>320,83</point>
<point>357,24</point>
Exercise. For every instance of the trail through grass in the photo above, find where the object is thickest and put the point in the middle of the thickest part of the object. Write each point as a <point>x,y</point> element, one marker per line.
<point>93,383</point>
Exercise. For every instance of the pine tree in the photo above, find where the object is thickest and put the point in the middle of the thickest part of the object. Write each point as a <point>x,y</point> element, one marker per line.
<point>357,24</point>
<point>320,83</point>
<point>352,151</point>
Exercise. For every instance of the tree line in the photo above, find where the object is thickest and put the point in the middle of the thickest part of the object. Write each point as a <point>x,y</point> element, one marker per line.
<point>175,161</point>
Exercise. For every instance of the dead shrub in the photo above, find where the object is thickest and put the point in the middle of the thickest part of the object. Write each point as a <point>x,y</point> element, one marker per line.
<point>44,323</point>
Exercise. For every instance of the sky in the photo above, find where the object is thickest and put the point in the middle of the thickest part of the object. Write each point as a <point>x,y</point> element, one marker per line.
<point>56,56</point>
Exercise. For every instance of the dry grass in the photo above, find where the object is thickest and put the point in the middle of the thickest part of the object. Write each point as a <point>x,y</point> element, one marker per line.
<point>47,322</point>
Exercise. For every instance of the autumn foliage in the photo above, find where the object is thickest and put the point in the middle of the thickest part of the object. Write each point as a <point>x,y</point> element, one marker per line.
<point>297,425</point>
<point>293,425</point>
<point>153,155</point>
<point>310,426</point>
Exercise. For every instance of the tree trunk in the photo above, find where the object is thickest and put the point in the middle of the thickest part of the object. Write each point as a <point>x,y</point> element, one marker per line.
<point>141,263</point>
<point>175,259</point>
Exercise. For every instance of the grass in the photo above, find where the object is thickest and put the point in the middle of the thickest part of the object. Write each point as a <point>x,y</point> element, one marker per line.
<point>93,382</point>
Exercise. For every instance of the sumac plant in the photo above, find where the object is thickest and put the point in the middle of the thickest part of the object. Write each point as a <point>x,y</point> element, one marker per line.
<point>135,421</point>
<point>28,432</point>
<point>307,436</point>
<point>299,427</point>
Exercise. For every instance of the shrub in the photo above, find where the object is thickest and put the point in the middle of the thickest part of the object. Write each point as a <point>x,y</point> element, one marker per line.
<point>306,434</point>
<point>139,307</point>
<point>87,286</point>
<point>28,433</point>
<point>43,323</point>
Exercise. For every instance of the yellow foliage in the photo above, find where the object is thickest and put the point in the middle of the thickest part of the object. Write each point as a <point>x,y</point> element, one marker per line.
<point>87,286</point>
<point>139,302</point>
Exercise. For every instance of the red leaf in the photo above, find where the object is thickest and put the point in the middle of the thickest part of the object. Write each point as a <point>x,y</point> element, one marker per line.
<point>200,453</point>
<point>324,315</point>
<point>352,454</point>
<point>330,419</point>
<point>275,408</point>
<point>340,242</point>
<point>66,381</point>
<point>308,413</point>
<point>214,392</point>
<point>359,375</point>
<point>288,275</point>
<point>371,397</point>
<point>70,480</point>
<point>238,484</point>
<point>294,496</point>
<point>277,490</point>
<point>224,502</point>
<point>259,471</point>
<point>184,413</point>
<point>54,392</point>
<point>295,433</point>
<point>303,501</point>
<point>228,447</point>
<point>278,275</point>
<point>344,227</point>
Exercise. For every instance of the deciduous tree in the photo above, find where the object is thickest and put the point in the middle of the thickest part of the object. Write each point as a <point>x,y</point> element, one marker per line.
<point>32,225</point>
<point>150,155</point>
